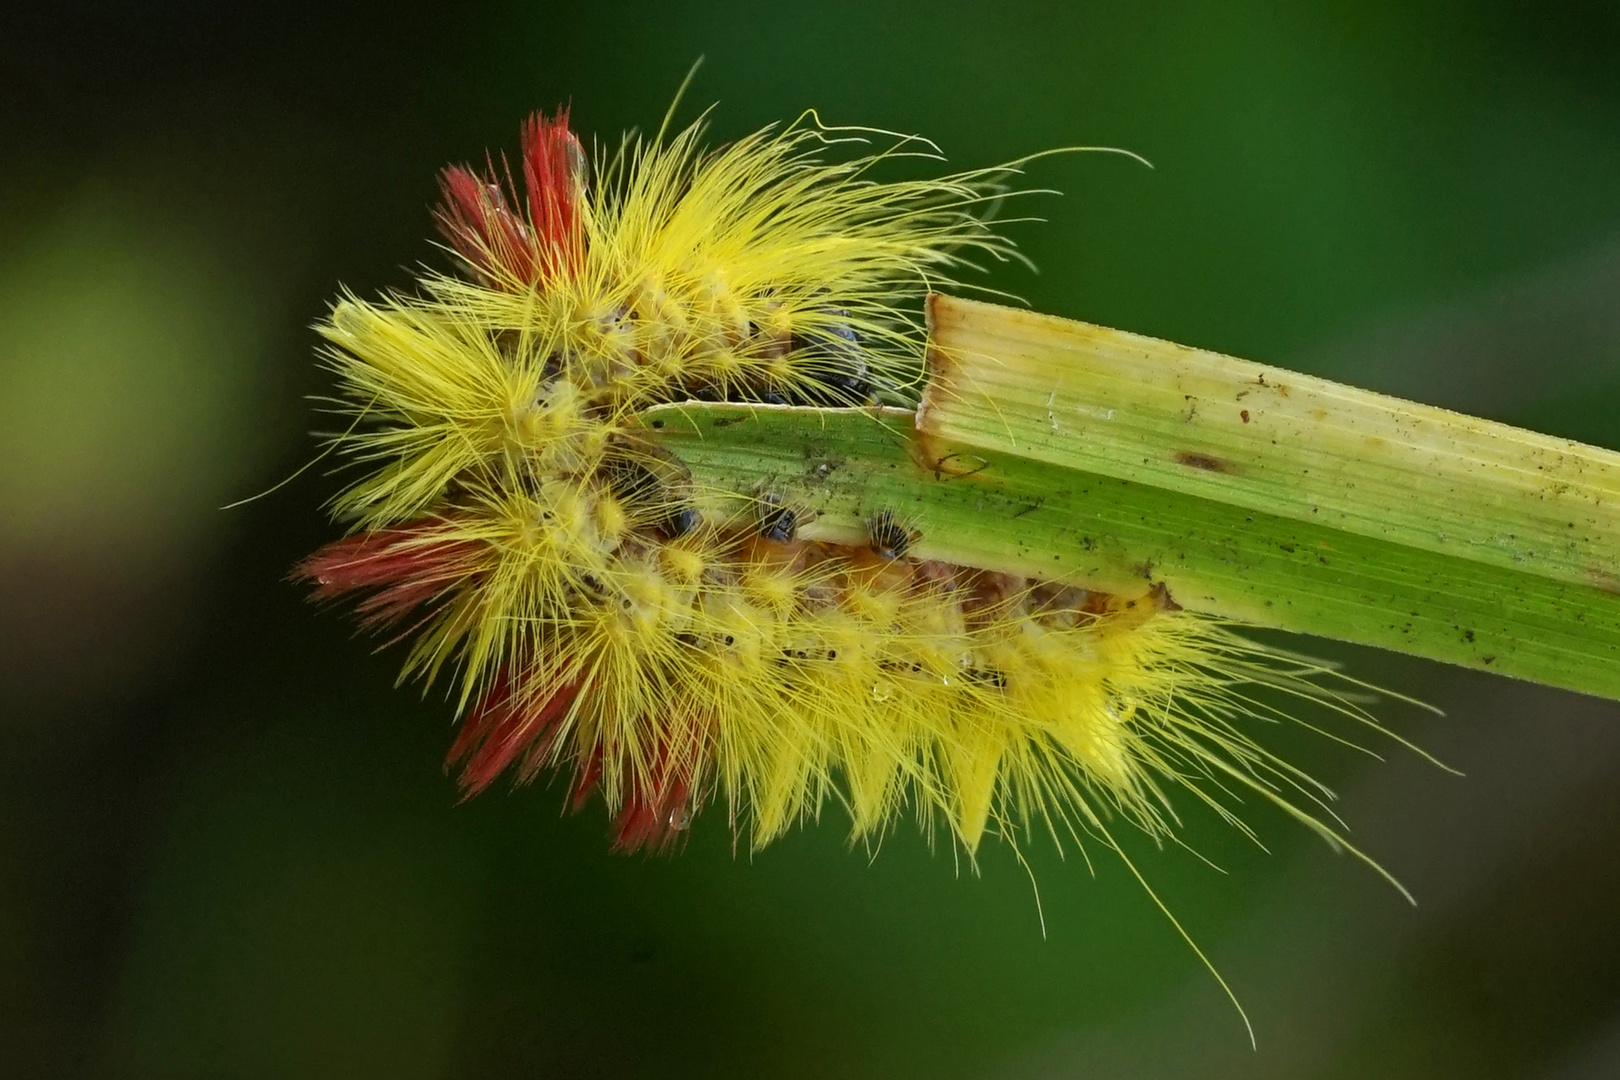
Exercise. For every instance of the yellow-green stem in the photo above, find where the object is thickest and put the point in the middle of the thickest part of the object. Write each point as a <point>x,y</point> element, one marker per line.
<point>1136,408</point>
<point>1382,523</point>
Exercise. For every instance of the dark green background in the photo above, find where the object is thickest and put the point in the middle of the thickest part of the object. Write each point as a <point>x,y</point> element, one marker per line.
<point>226,844</point>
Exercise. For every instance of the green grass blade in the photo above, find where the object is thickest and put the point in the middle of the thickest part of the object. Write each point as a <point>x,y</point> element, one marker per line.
<point>1269,440</point>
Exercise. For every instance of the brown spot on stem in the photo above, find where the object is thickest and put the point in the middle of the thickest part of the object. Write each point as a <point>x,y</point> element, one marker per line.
<point>1203,461</point>
<point>1604,580</point>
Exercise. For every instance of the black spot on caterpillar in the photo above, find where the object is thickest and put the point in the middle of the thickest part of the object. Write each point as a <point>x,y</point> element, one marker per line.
<point>777,522</point>
<point>889,539</point>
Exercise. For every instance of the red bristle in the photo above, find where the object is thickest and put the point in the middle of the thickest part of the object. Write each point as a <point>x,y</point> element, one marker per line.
<point>553,160</point>
<point>502,726</point>
<point>503,246</point>
<point>388,607</point>
<point>403,555</point>
<point>653,822</point>
<point>477,218</point>
<point>655,815</point>
<point>487,711</point>
<point>586,776</point>
<point>405,565</point>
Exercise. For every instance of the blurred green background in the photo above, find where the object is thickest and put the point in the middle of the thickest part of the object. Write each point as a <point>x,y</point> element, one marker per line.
<point>227,847</point>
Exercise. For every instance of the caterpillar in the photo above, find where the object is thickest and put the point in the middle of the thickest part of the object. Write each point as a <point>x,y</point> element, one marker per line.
<point>514,526</point>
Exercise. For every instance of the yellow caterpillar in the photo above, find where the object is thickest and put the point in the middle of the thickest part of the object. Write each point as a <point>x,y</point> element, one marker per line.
<point>531,546</point>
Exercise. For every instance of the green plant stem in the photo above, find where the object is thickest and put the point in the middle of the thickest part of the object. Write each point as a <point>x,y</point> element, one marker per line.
<point>1028,506</point>
<point>1136,408</point>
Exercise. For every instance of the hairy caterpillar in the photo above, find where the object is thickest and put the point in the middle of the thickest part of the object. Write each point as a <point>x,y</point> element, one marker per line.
<point>520,533</point>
